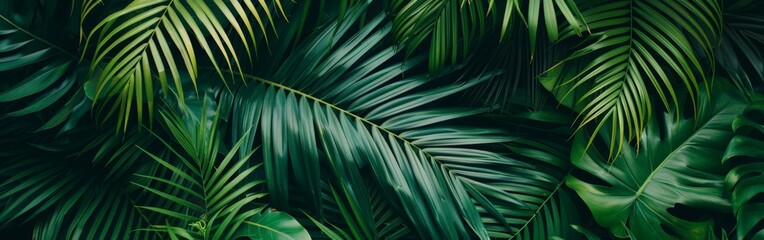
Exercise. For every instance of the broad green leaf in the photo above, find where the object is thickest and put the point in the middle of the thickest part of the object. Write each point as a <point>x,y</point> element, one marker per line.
<point>271,224</point>
<point>745,180</point>
<point>676,168</point>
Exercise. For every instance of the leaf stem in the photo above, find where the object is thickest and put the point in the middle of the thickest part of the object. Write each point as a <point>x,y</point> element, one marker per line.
<point>278,85</point>
<point>551,195</point>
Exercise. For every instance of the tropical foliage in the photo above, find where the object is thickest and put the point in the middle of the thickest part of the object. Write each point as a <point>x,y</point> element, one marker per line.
<point>387,119</point>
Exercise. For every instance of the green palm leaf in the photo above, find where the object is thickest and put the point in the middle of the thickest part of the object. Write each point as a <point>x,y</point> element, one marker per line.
<point>744,156</point>
<point>740,51</point>
<point>380,219</point>
<point>453,26</point>
<point>553,219</point>
<point>86,7</point>
<point>209,197</point>
<point>72,189</point>
<point>677,169</point>
<point>642,51</point>
<point>41,73</point>
<point>352,115</point>
<point>143,40</point>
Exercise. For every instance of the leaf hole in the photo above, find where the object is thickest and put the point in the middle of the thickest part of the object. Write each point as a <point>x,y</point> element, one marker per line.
<point>588,177</point>
<point>688,213</point>
<point>668,230</point>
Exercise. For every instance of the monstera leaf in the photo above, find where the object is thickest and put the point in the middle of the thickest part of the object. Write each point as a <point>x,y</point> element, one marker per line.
<point>745,155</point>
<point>676,168</point>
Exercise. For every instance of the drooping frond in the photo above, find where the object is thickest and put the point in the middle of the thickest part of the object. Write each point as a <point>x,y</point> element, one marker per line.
<point>740,52</point>
<point>553,219</point>
<point>372,215</point>
<point>40,73</point>
<point>142,42</point>
<point>73,187</point>
<point>208,197</point>
<point>643,50</point>
<point>453,26</point>
<point>351,115</point>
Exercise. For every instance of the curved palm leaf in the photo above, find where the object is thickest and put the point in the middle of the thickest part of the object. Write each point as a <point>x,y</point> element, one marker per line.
<point>86,7</point>
<point>209,198</point>
<point>143,40</point>
<point>678,167</point>
<point>70,187</point>
<point>744,156</point>
<point>641,46</point>
<point>552,216</point>
<point>42,75</point>
<point>452,26</point>
<point>384,221</point>
<point>519,85</point>
<point>740,52</point>
<point>553,219</point>
<point>353,115</point>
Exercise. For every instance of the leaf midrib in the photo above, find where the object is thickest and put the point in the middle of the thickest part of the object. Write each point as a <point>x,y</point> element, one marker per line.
<point>269,228</point>
<point>429,156</point>
<point>536,213</point>
<point>674,152</point>
<point>341,110</point>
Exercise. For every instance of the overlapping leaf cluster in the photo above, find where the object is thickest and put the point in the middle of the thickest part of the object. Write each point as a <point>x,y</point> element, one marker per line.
<point>432,119</point>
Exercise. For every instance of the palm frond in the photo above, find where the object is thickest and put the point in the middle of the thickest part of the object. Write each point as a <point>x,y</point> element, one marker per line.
<point>553,219</point>
<point>740,51</point>
<point>453,26</point>
<point>140,43</point>
<point>639,47</point>
<point>41,72</point>
<point>71,187</point>
<point>354,115</point>
<point>379,219</point>
<point>207,197</point>
<point>86,7</point>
